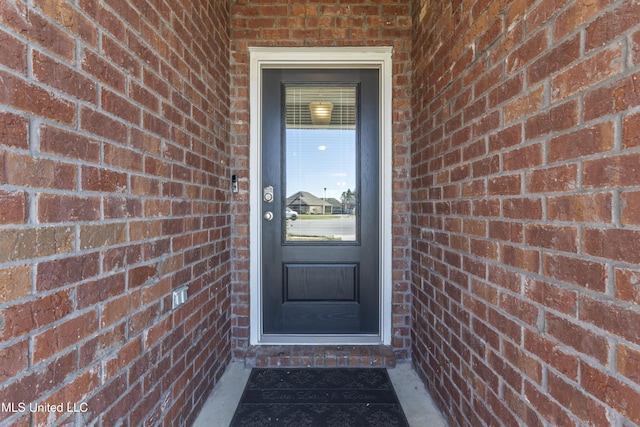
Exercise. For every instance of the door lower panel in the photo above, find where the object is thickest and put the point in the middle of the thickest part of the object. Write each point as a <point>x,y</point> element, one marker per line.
<point>321,282</point>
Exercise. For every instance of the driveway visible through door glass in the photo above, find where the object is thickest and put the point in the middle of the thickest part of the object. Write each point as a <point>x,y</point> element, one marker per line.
<point>321,163</point>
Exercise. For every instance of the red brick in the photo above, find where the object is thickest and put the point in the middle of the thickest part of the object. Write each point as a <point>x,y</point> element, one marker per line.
<point>490,207</point>
<point>612,171</point>
<point>69,144</point>
<point>101,344</point>
<point>558,118</point>
<point>488,80</point>
<point>129,15</point>
<point>570,333</point>
<point>506,231</point>
<point>64,78</point>
<point>23,318</point>
<point>576,14</point>
<point>486,166</point>
<point>524,259</point>
<point>504,185</point>
<point>611,391</point>
<point>38,28</point>
<point>631,131</point>
<point>506,138</point>
<point>546,407</point>
<point>144,96</point>
<point>472,112</point>
<point>140,275</point>
<point>98,290</point>
<point>100,235</point>
<point>65,271</point>
<point>612,98</point>
<point>108,394</point>
<point>65,208</point>
<point>587,274</point>
<point>102,125</point>
<point>629,363</point>
<point>24,170</point>
<point>611,24</point>
<point>541,14</point>
<point>15,359</point>
<point>38,382</point>
<point>119,308</point>
<point>555,60</point>
<point>484,249</point>
<point>592,70</point>
<point>627,285</point>
<point>572,397</point>
<point>121,207</point>
<point>522,208</point>
<point>120,107</point>
<point>13,52</point>
<point>595,139</point>
<point>81,386</point>
<point>615,244</point>
<point>125,355</point>
<point>103,70</point>
<point>56,339</point>
<point>510,375</point>
<point>68,17</point>
<point>522,158</point>
<point>485,333</point>
<point>525,105</point>
<point>27,243</point>
<point>103,180</point>
<point>506,91</point>
<point>486,124</point>
<point>552,296</point>
<point>13,129</point>
<point>36,100</point>
<point>122,157</point>
<point>635,47</point>
<point>564,362</point>
<point>552,237</point>
<point>519,308</point>
<point>630,208</point>
<point>580,208</point>
<point>15,283</point>
<point>526,364</point>
<point>13,207</point>
<point>611,317</point>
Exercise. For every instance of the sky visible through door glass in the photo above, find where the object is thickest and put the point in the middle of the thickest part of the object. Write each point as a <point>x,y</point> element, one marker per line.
<point>320,158</point>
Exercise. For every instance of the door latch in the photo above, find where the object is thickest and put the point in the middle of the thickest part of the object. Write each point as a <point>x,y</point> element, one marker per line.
<point>267,194</point>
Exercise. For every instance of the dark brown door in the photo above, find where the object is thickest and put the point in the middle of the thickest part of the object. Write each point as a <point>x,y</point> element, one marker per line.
<point>320,204</point>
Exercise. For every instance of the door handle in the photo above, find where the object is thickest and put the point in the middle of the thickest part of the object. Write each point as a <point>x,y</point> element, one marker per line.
<point>268,215</point>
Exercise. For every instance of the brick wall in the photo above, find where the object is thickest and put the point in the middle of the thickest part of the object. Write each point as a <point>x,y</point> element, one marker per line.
<point>526,210</point>
<point>321,23</point>
<point>114,178</point>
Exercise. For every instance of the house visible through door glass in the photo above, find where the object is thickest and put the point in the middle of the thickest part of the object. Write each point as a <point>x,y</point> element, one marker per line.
<point>321,174</point>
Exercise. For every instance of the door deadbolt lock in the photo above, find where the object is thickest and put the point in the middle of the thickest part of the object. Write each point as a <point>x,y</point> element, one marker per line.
<point>267,194</point>
<point>268,215</point>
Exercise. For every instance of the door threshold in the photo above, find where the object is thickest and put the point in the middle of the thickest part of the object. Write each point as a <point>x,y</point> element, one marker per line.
<point>320,356</point>
<point>315,339</point>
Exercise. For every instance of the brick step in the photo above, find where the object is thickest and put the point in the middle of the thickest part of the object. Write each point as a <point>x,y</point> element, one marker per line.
<point>318,356</point>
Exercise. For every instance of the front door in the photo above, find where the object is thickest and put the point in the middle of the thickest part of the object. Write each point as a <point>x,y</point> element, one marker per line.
<point>320,201</point>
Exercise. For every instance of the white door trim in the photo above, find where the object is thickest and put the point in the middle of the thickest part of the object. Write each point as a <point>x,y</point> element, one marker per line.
<point>345,57</point>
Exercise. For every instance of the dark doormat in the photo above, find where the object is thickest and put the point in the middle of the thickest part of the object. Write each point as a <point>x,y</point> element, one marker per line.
<point>319,397</point>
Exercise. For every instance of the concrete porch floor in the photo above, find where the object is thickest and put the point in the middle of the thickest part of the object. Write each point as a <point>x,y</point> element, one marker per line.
<point>414,398</point>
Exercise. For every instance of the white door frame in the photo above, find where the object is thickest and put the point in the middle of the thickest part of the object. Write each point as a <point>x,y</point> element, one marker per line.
<point>345,57</point>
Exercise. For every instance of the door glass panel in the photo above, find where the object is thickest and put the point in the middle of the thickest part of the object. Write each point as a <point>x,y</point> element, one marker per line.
<point>321,170</point>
